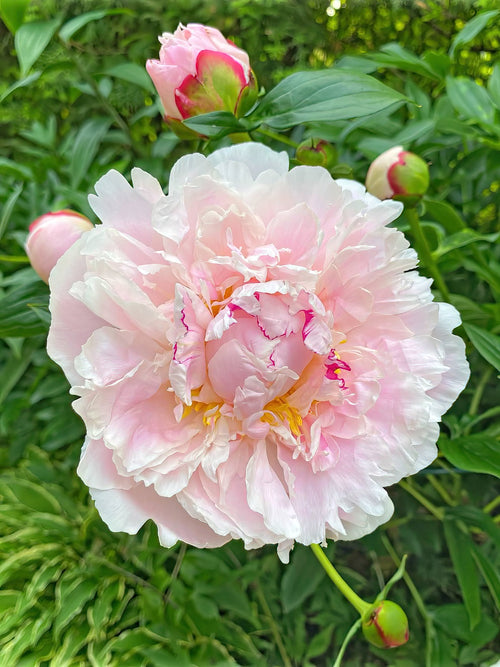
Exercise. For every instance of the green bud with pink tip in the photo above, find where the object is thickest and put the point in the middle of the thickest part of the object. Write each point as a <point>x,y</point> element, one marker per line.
<point>316,153</point>
<point>385,625</point>
<point>398,174</point>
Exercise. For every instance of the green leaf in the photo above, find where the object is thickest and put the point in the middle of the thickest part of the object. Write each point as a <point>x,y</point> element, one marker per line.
<point>9,207</point>
<point>85,147</point>
<point>489,573</point>
<point>73,592</point>
<point>218,123</point>
<point>133,73</point>
<point>452,618</point>
<point>20,84</point>
<point>460,546</point>
<point>494,85</point>
<point>295,587</point>
<point>75,24</point>
<point>486,343</point>
<point>461,239</point>
<point>476,518</point>
<point>445,214</point>
<point>327,95</point>
<point>474,453</point>
<point>12,13</point>
<point>394,55</point>
<point>31,495</point>
<point>16,316</point>
<point>31,40</point>
<point>470,99</point>
<point>471,29</point>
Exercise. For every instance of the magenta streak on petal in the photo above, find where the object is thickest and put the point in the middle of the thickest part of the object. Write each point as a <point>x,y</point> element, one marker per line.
<point>273,363</point>
<point>309,315</point>
<point>334,364</point>
<point>175,352</point>
<point>183,319</point>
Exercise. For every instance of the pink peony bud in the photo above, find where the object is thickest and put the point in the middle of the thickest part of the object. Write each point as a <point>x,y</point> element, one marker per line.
<point>398,174</point>
<point>200,71</point>
<point>50,236</point>
<point>385,625</point>
<point>316,152</point>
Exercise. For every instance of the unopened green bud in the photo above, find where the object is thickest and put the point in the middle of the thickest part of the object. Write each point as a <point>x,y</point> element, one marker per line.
<point>316,153</point>
<point>398,174</point>
<point>385,625</point>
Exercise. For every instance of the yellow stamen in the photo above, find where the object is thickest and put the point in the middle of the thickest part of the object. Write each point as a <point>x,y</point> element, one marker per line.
<point>279,410</point>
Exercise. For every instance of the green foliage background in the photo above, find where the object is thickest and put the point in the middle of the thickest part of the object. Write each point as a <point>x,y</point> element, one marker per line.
<point>72,593</point>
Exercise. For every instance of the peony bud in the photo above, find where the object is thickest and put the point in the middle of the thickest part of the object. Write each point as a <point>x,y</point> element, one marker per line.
<point>50,236</point>
<point>398,174</point>
<point>200,71</point>
<point>316,153</point>
<point>385,625</point>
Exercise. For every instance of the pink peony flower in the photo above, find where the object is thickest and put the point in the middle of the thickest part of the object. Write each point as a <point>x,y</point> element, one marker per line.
<point>254,355</point>
<point>200,71</point>
<point>50,236</point>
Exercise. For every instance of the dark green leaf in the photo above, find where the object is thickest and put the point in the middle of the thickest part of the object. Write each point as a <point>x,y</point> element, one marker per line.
<point>75,24</point>
<point>475,453</point>
<point>16,316</point>
<point>476,518</point>
<point>460,545</point>
<point>461,239</point>
<point>31,40</point>
<point>486,343</point>
<point>394,55</point>
<point>471,29</point>
<point>490,574</point>
<point>301,578</point>
<point>327,95</point>
<point>452,618</point>
<point>32,495</point>
<point>12,13</point>
<point>218,123</point>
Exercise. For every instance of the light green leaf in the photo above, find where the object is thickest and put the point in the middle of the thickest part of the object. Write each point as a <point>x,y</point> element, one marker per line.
<point>133,73</point>
<point>452,618</point>
<point>218,123</point>
<point>75,24</point>
<point>470,99</point>
<point>494,85</point>
<point>474,453</point>
<point>326,95</point>
<point>12,13</point>
<point>471,29</point>
<point>86,144</point>
<point>31,495</point>
<point>20,84</point>
<point>486,343</point>
<point>445,214</point>
<point>72,595</point>
<point>31,40</point>
<point>460,545</point>
<point>490,574</point>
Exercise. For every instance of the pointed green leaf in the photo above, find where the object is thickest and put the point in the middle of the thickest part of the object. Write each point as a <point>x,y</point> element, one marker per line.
<point>20,84</point>
<point>460,546</point>
<point>86,144</point>
<point>133,73</point>
<point>327,95</point>
<point>295,587</point>
<point>494,86</point>
<point>470,99</point>
<point>12,13</point>
<point>474,453</point>
<point>486,343</point>
<point>31,40</point>
<point>471,29</point>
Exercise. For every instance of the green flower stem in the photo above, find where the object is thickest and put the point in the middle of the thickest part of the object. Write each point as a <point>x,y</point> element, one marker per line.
<point>478,394</point>
<point>14,259</point>
<point>492,505</point>
<point>277,137</point>
<point>435,511</point>
<point>441,490</point>
<point>425,252</point>
<point>358,603</point>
